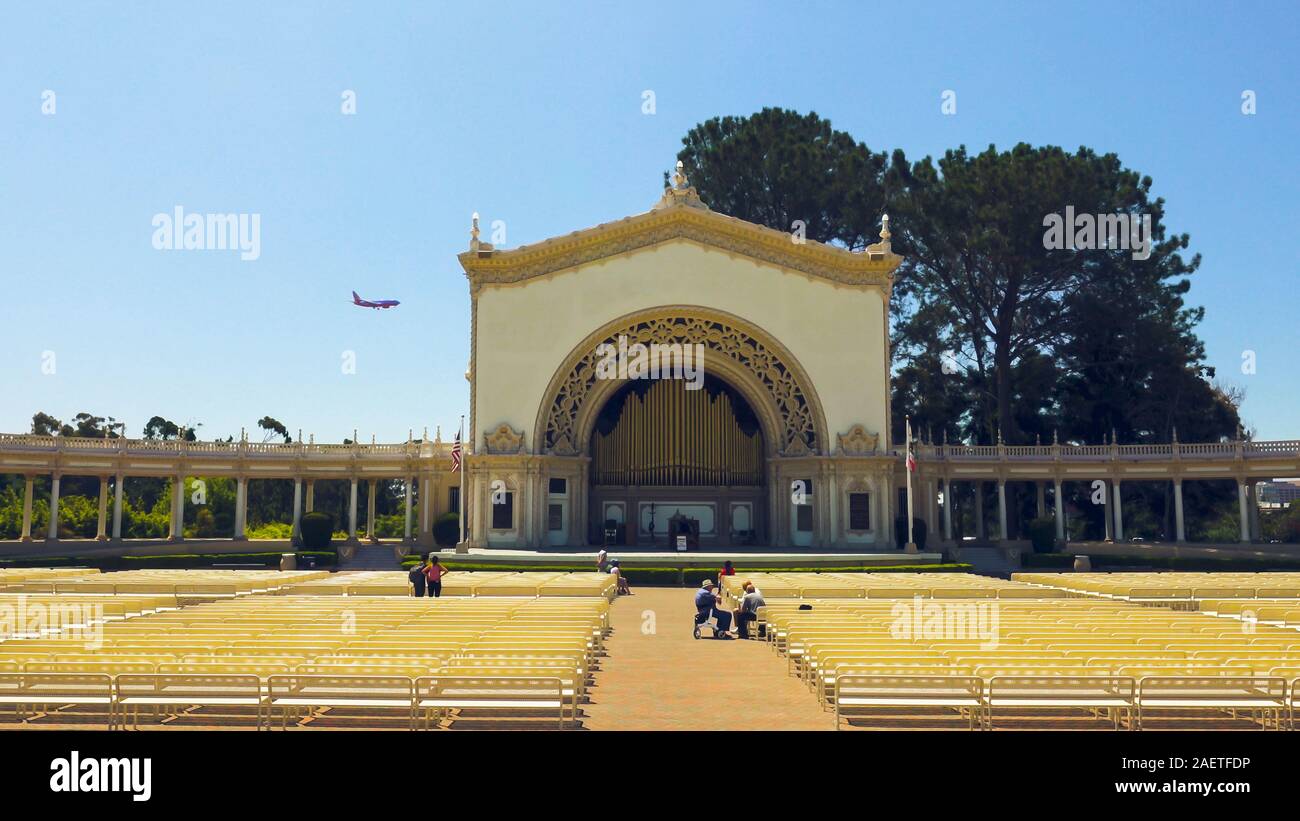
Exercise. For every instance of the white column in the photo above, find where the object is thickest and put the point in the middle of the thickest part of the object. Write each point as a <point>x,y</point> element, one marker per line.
<point>311,496</point>
<point>1180,532</point>
<point>410,488</point>
<point>1244,506</point>
<point>1119,514</point>
<point>979,511</point>
<point>352,513</point>
<point>1059,504</point>
<point>370,512</point>
<point>932,507</point>
<point>1002,510</point>
<point>52,533</point>
<point>947,510</point>
<point>1255,531</point>
<point>426,492</point>
<point>241,506</point>
<point>27,510</point>
<point>1105,510</point>
<point>178,509</point>
<point>101,526</point>
<point>297,510</point>
<point>117,507</point>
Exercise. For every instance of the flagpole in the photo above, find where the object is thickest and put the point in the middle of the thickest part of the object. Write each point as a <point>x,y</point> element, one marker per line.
<point>907,467</point>
<point>460,438</point>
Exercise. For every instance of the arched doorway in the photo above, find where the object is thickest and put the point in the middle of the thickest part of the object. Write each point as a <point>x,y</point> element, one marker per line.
<point>668,461</point>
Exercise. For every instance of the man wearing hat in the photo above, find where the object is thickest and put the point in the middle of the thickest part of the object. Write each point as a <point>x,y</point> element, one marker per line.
<point>708,604</point>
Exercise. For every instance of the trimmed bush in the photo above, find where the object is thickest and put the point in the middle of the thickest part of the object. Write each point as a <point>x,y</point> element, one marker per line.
<point>1042,533</point>
<point>1189,564</point>
<point>918,532</point>
<point>317,529</point>
<point>178,561</point>
<point>446,530</point>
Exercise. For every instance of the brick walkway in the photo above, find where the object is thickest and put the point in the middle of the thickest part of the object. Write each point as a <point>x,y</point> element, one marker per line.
<point>666,680</point>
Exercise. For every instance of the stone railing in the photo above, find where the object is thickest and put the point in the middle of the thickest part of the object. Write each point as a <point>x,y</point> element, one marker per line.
<point>293,450</point>
<point>1175,450</point>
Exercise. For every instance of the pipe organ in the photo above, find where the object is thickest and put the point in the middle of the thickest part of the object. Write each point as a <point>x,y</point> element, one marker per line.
<point>666,435</point>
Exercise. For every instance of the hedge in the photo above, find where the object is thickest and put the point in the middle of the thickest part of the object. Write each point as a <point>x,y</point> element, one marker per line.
<point>688,576</point>
<point>1184,563</point>
<point>174,561</point>
<point>446,529</point>
<point>317,530</point>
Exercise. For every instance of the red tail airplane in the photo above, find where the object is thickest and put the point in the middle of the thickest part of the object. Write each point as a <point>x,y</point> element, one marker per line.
<point>365,303</point>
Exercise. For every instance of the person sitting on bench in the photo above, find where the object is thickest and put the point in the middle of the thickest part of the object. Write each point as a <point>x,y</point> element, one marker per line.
<point>708,605</point>
<point>748,610</point>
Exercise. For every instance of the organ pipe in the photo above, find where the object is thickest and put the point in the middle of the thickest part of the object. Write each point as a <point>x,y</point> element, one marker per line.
<point>670,436</point>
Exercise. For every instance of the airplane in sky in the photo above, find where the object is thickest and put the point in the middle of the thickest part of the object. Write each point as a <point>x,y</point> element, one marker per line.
<point>379,303</point>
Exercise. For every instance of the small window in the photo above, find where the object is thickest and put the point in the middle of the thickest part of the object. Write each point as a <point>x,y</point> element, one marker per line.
<point>803,518</point>
<point>453,500</point>
<point>559,486</point>
<point>859,511</point>
<point>555,517</point>
<point>503,512</point>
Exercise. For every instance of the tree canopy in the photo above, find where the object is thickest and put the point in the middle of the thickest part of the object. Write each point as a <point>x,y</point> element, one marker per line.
<point>994,331</point>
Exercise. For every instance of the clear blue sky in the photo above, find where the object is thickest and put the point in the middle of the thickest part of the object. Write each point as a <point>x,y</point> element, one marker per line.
<point>532,115</point>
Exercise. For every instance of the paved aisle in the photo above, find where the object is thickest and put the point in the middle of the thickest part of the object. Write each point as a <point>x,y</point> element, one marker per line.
<point>666,680</point>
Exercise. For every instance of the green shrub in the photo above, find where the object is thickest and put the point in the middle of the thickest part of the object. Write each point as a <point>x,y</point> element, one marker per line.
<point>446,530</point>
<point>677,576</point>
<point>178,561</point>
<point>918,532</point>
<point>270,530</point>
<point>316,530</point>
<point>1189,564</point>
<point>1042,533</point>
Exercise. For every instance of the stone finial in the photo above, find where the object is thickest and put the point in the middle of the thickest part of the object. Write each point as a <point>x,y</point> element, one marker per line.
<point>425,437</point>
<point>1114,437</point>
<point>884,247</point>
<point>299,435</point>
<point>680,192</point>
<point>1055,440</point>
<point>355,441</point>
<point>999,434</point>
<point>311,438</point>
<point>1175,433</point>
<point>372,440</point>
<point>473,232</point>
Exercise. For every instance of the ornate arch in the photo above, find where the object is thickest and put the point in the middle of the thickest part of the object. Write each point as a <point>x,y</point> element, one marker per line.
<point>772,372</point>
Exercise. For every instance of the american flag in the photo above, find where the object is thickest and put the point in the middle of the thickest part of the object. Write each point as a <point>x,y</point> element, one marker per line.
<point>911,457</point>
<point>455,454</point>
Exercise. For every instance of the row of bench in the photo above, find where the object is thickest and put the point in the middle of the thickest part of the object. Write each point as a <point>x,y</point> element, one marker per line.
<point>1058,640</point>
<point>1124,699</point>
<point>292,695</point>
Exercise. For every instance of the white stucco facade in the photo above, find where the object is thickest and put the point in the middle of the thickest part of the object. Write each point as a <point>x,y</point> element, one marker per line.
<point>799,329</point>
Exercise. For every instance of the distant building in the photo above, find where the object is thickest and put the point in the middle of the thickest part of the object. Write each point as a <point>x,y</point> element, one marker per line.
<point>1279,493</point>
